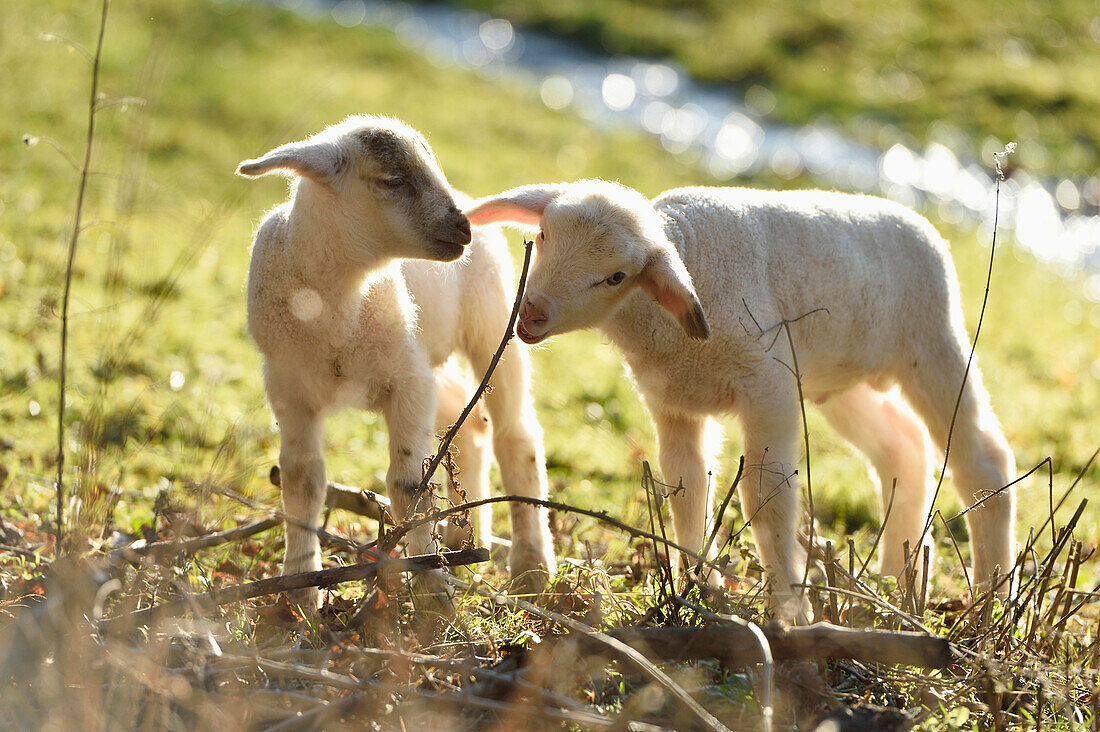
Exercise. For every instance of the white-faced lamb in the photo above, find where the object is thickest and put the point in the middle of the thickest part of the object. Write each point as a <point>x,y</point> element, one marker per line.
<point>360,287</point>
<point>869,293</point>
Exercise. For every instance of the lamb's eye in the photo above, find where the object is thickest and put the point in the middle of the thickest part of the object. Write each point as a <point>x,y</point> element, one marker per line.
<point>393,183</point>
<point>616,278</point>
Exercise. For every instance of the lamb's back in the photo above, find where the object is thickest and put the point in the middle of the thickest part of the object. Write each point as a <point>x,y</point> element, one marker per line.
<point>795,251</point>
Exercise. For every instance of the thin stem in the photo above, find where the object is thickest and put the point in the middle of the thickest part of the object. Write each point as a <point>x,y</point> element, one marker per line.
<point>429,471</point>
<point>974,343</point>
<point>60,487</point>
<point>806,438</point>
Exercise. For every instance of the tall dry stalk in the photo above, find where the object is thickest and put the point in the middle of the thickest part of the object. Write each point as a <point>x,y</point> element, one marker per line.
<point>81,188</point>
<point>997,158</point>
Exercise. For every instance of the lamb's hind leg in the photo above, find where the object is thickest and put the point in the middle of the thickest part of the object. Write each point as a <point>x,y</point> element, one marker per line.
<point>892,438</point>
<point>769,493</point>
<point>470,450</point>
<point>980,461</point>
<point>517,446</point>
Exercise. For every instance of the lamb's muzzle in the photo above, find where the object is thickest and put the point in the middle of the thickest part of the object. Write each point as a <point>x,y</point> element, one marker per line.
<point>531,325</point>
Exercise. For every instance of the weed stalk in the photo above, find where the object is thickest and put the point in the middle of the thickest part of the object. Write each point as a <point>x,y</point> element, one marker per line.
<point>81,189</point>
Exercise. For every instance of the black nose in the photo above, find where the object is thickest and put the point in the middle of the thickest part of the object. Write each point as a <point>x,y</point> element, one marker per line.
<point>463,226</point>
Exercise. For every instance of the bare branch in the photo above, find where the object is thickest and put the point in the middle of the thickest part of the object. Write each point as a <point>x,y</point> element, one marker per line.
<point>190,546</point>
<point>736,646</point>
<point>359,501</point>
<point>301,580</point>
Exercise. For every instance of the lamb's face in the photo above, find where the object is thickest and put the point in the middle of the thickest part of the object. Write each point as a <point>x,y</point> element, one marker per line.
<point>598,241</point>
<point>379,181</point>
<point>393,186</point>
<point>589,255</point>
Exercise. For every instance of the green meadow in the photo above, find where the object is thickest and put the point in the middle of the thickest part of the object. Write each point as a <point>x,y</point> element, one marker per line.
<point>165,393</point>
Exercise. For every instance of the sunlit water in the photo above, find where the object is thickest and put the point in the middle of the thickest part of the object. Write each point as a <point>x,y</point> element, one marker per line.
<point>730,134</point>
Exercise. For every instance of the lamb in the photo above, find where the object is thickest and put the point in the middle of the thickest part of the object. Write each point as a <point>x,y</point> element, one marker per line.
<point>870,296</point>
<point>360,288</point>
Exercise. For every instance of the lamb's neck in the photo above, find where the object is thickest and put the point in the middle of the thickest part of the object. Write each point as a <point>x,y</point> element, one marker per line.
<point>637,327</point>
<point>332,259</point>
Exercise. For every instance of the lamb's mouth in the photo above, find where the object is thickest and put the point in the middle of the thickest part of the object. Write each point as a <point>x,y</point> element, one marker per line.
<point>449,250</point>
<point>527,337</point>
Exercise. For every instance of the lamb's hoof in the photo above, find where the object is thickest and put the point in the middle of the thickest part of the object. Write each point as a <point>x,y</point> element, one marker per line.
<point>792,609</point>
<point>306,603</point>
<point>707,575</point>
<point>531,570</point>
<point>531,582</point>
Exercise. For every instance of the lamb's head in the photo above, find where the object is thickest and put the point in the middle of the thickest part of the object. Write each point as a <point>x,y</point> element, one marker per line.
<point>597,242</point>
<point>379,181</point>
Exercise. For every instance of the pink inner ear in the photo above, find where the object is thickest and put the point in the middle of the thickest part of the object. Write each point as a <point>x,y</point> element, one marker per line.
<point>666,297</point>
<point>523,205</point>
<point>494,211</point>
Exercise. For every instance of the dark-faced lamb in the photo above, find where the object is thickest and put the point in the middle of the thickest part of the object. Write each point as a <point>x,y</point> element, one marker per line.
<point>360,287</point>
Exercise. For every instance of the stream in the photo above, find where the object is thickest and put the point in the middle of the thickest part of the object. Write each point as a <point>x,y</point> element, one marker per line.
<point>728,131</point>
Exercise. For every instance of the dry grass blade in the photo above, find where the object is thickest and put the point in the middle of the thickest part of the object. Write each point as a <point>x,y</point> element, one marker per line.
<point>717,521</point>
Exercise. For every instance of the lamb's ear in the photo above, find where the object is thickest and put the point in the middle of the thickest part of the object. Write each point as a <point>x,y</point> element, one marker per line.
<point>667,281</point>
<point>523,205</point>
<point>320,161</point>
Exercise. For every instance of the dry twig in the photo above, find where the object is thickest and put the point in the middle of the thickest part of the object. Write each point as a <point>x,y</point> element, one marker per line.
<point>301,580</point>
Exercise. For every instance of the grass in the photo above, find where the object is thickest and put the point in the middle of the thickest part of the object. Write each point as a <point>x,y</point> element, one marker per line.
<point>166,404</point>
<point>886,72</point>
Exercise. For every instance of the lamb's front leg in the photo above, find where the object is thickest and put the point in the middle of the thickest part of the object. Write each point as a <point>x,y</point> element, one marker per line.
<point>769,496</point>
<point>684,463</point>
<point>303,486</point>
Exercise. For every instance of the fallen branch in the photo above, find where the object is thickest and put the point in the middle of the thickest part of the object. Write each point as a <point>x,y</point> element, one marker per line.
<point>736,646</point>
<point>25,553</point>
<point>190,546</point>
<point>605,641</point>
<point>290,582</point>
<point>364,502</point>
<point>429,703</point>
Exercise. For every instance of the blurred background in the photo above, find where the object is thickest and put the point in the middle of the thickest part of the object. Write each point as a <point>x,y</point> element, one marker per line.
<point>903,99</point>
